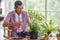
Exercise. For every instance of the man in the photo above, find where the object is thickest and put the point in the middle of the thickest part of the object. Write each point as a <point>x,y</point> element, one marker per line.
<point>17,20</point>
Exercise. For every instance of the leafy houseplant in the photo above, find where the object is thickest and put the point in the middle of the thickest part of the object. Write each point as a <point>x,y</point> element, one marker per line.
<point>36,19</point>
<point>34,30</point>
<point>34,26</point>
<point>49,27</point>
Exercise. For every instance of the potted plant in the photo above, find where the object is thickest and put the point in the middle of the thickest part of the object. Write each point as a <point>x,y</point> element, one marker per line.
<point>49,27</point>
<point>34,30</point>
<point>36,19</point>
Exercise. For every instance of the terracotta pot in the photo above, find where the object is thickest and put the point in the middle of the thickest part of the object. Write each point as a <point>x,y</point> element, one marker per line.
<point>58,38</point>
<point>45,38</point>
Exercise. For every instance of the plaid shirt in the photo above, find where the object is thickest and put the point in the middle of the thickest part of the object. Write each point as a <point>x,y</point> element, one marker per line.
<point>11,18</point>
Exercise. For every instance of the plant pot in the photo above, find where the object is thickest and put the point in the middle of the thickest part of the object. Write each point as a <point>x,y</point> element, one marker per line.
<point>33,35</point>
<point>45,38</point>
<point>58,38</point>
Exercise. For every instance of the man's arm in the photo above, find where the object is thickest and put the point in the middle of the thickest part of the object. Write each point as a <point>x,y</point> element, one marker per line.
<point>7,22</point>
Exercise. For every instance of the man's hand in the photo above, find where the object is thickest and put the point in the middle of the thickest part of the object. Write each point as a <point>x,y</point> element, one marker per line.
<point>6,24</point>
<point>17,23</point>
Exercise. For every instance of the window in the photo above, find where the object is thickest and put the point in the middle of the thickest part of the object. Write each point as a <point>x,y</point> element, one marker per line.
<point>50,8</point>
<point>53,10</point>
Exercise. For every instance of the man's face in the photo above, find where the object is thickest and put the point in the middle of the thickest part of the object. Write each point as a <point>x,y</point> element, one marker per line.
<point>19,8</point>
